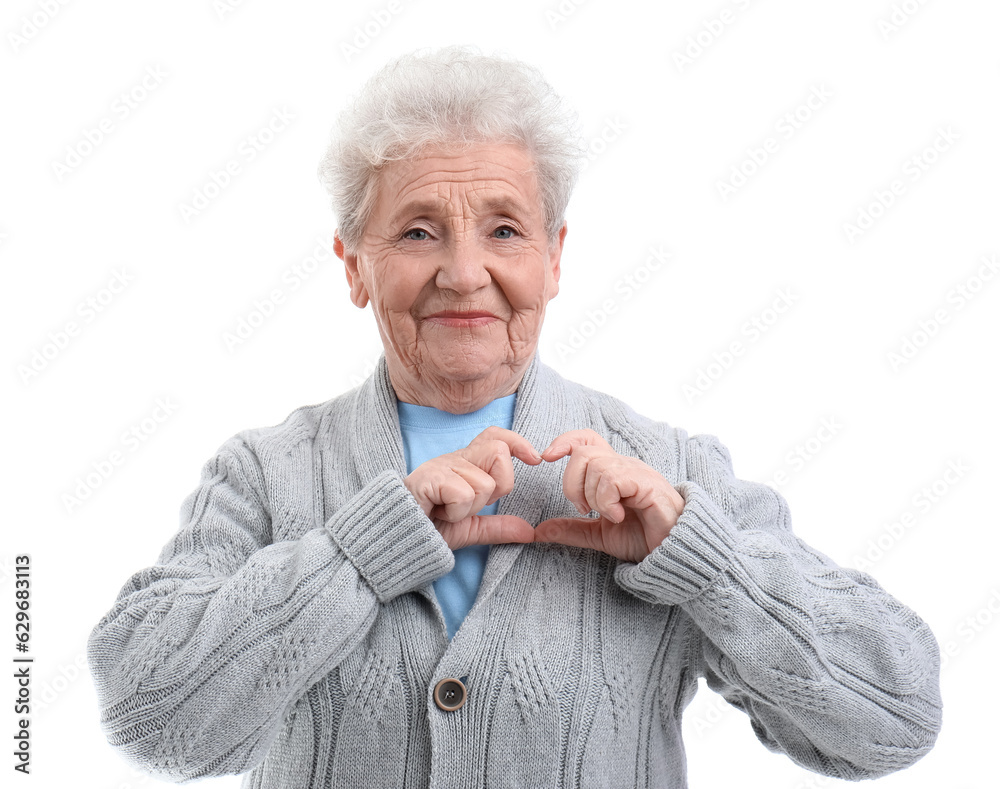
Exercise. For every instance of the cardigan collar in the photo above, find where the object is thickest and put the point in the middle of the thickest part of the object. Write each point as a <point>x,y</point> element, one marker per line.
<point>541,413</point>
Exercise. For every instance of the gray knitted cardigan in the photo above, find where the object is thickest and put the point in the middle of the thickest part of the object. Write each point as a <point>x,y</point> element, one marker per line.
<point>290,628</point>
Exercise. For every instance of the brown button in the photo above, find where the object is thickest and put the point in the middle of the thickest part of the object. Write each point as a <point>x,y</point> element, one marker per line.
<point>449,694</point>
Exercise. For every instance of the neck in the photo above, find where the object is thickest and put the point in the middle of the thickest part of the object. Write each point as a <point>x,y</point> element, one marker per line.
<point>456,397</point>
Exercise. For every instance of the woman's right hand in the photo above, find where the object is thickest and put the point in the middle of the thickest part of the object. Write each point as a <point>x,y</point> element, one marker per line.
<point>452,488</point>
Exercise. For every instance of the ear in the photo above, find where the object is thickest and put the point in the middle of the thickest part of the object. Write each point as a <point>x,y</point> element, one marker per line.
<point>555,258</point>
<point>359,293</point>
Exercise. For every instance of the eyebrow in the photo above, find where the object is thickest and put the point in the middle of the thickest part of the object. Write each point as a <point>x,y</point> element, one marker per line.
<point>495,205</point>
<point>502,205</point>
<point>415,207</point>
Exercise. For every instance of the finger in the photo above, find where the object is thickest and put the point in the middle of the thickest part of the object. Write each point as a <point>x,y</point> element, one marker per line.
<point>602,490</point>
<point>517,445</point>
<point>493,457</point>
<point>577,532</point>
<point>574,479</point>
<point>591,478</point>
<point>499,529</point>
<point>564,444</point>
<point>598,534</point>
<point>462,491</point>
<point>486,530</point>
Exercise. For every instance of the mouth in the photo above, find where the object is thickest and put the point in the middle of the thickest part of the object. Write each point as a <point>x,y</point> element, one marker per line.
<point>462,319</point>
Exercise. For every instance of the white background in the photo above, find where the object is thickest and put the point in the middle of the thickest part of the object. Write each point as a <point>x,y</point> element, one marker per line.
<point>664,135</point>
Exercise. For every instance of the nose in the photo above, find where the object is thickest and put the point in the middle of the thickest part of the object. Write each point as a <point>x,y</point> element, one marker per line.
<point>463,268</point>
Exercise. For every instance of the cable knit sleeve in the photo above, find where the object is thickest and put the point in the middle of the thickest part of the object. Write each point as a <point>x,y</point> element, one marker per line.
<point>203,654</point>
<point>832,670</point>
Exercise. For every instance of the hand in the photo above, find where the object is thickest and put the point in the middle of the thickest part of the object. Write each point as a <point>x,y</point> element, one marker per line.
<point>636,505</point>
<point>452,488</point>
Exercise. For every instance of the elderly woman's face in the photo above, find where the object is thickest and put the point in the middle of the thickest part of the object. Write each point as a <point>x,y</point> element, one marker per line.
<point>458,269</point>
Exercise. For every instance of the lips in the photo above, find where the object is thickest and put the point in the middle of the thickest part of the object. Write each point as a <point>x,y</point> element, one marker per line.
<point>462,318</point>
<point>462,314</point>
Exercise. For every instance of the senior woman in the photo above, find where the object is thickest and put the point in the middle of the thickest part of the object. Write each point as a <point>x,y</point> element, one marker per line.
<point>468,571</point>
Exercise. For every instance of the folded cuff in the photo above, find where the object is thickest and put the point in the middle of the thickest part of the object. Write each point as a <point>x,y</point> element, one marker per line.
<point>390,540</point>
<point>698,549</point>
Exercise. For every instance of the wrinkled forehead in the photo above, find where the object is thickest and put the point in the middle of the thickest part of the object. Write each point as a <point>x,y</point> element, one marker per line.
<point>496,179</point>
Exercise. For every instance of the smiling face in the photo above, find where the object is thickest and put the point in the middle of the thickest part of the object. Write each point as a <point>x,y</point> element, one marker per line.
<point>458,269</point>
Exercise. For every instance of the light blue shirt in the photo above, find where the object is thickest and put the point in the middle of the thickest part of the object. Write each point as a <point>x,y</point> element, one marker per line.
<point>427,433</point>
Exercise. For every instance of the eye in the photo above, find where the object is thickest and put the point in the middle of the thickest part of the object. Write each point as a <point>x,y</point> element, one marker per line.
<point>504,232</point>
<point>416,234</point>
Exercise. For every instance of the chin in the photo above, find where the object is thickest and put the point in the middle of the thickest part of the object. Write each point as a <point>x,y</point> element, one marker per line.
<point>472,365</point>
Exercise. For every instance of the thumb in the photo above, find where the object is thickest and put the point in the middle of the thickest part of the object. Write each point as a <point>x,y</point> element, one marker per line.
<point>576,532</point>
<point>486,530</point>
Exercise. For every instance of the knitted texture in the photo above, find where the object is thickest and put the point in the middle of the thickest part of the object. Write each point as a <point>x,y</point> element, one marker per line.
<point>290,630</point>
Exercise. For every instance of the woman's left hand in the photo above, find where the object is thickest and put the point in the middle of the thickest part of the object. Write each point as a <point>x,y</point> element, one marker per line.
<point>636,505</point>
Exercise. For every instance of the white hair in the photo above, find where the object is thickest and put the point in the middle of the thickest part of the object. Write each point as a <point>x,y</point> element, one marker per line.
<point>450,96</point>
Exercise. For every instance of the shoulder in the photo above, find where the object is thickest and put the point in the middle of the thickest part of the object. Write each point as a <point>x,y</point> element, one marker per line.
<point>301,426</point>
<point>698,455</point>
<point>616,420</point>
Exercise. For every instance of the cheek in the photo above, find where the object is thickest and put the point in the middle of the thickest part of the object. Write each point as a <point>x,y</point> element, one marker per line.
<point>398,285</point>
<point>526,290</point>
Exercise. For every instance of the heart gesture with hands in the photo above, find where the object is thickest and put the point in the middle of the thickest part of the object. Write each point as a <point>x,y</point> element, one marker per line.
<point>636,506</point>
<point>453,487</point>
